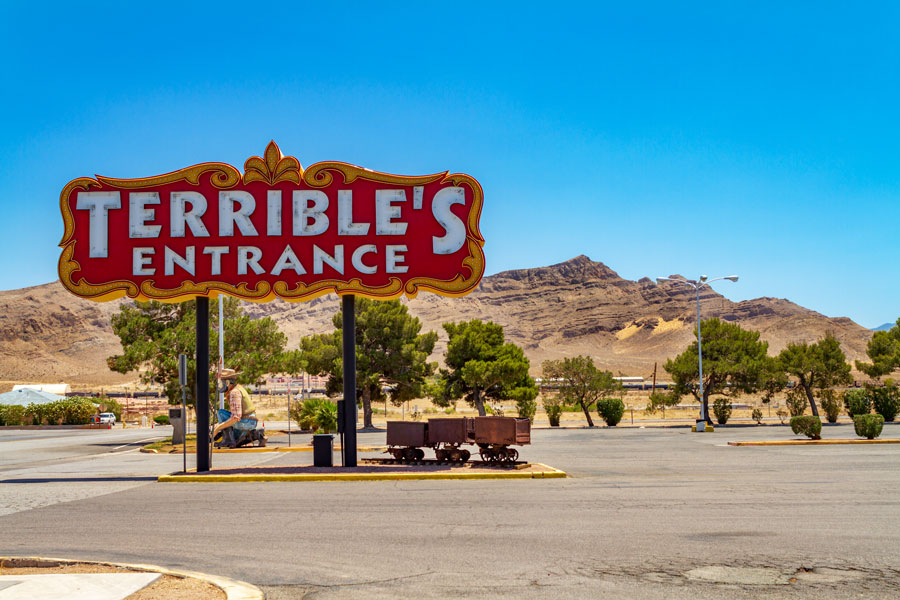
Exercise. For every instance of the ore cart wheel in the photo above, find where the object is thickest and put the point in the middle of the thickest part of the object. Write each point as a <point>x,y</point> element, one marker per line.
<point>397,453</point>
<point>418,454</point>
<point>455,454</point>
<point>440,454</point>
<point>512,454</point>
<point>409,454</point>
<point>465,455</point>
<point>487,455</point>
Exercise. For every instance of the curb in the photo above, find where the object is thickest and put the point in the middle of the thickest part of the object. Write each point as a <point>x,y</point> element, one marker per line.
<point>812,442</point>
<point>268,449</point>
<point>553,473</point>
<point>234,589</point>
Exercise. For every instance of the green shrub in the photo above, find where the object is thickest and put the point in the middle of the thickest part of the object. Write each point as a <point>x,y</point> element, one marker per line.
<point>659,401</point>
<point>553,406</point>
<point>857,402</point>
<point>12,414</point>
<point>722,410</point>
<point>326,417</point>
<point>868,426</point>
<point>808,425</point>
<point>830,404</point>
<point>611,410</point>
<point>886,401</point>
<point>304,413</point>
<point>77,411</point>
<point>796,402</point>
<point>161,419</point>
<point>757,415</point>
<point>526,407</point>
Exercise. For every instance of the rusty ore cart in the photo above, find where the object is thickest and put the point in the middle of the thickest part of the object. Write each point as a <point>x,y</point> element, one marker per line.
<point>445,436</point>
<point>406,439</point>
<point>493,435</point>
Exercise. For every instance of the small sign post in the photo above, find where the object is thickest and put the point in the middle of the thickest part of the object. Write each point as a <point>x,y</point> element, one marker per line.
<point>182,381</point>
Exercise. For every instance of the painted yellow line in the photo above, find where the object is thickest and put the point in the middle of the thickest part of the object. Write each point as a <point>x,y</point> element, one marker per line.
<point>293,449</point>
<point>267,449</point>
<point>812,442</point>
<point>393,476</point>
<point>234,589</point>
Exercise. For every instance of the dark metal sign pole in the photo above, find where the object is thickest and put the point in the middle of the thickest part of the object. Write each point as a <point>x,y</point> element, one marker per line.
<point>202,371</point>
<point>348,308</point>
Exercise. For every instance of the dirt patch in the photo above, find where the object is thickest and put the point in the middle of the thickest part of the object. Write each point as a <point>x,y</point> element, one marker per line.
<point>167,586</point>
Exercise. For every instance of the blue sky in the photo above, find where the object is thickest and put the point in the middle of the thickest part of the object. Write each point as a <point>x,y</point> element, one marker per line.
<point>743,137</point>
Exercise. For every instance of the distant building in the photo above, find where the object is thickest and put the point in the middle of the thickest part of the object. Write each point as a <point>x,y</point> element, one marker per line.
<point>26,396</point>
<point>54,388</point>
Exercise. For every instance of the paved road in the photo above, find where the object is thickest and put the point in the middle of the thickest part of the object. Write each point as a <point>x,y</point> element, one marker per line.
<point>647,513</point>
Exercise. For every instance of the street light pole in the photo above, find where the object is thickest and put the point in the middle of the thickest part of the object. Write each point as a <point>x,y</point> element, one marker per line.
<point>703,281</point>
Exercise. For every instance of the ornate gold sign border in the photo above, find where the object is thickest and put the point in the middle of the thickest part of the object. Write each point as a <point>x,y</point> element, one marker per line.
<point>271,169</point>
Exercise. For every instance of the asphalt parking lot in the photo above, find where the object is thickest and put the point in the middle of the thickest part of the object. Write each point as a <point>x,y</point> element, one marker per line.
<point>645,513</point>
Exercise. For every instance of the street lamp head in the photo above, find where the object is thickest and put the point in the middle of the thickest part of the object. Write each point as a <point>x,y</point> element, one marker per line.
<point>661,279</point>
<point>731,278</point>
<point>703,278</point>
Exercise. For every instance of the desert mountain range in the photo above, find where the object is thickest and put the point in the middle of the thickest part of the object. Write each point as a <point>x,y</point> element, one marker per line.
<point>576,307</point>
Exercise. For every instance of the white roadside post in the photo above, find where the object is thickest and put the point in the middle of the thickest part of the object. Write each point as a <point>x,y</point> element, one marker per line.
<point>696,285</point>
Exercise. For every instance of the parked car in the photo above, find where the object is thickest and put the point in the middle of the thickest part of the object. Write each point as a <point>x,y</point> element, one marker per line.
<point>107,419</point>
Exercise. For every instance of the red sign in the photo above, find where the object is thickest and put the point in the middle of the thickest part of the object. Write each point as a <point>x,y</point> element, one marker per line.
<point>277,230</point>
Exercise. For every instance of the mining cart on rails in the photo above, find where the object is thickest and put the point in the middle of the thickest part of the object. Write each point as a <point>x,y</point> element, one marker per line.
<point>493,435</point>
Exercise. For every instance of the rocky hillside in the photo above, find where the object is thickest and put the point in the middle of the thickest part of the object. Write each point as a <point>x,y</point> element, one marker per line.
<point>576,307</point>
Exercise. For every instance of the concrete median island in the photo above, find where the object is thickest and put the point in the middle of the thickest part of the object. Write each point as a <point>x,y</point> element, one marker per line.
<point>366,472</point>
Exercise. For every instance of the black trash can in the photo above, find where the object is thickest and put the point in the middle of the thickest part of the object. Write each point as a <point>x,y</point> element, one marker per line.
<point>323,450</point>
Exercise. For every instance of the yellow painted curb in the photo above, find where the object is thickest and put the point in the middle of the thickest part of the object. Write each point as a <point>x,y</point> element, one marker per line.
<point>812,442</point>
<point>709,428</point>
<point>292,449</point>
<point>394,476</point>
<point>268,449</point>
<point>234,589</point>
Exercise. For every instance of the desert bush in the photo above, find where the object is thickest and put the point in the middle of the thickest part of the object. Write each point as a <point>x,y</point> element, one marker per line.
<point>526,407</point>
<point>808,425</point>
<point>450,410</point>
<point>67,411</point>
<point>553,406</point>
<point>76,410</point>
<point>781,414</point>
<point>886,401</point>
<point>660,401</point>
<point>722,410</point>
<point>868,426</point>
<point>757,415</point>
<point>611,410</point>
<point>326,417</point>
<point>304,413</point>
<point>12,414</point>
<point>161,419</point>
<point>857,402</point>
<point>796,402</point>
<point>35,413</point>
<point>829,402</point>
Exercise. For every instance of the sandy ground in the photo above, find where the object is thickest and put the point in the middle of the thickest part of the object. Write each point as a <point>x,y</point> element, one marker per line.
<point>168,586</point>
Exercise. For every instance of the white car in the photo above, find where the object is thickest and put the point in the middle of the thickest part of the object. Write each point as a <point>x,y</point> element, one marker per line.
<point>107,419</point>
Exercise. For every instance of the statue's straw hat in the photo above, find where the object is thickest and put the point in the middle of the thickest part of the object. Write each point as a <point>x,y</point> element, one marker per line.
<point>228,374</point>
